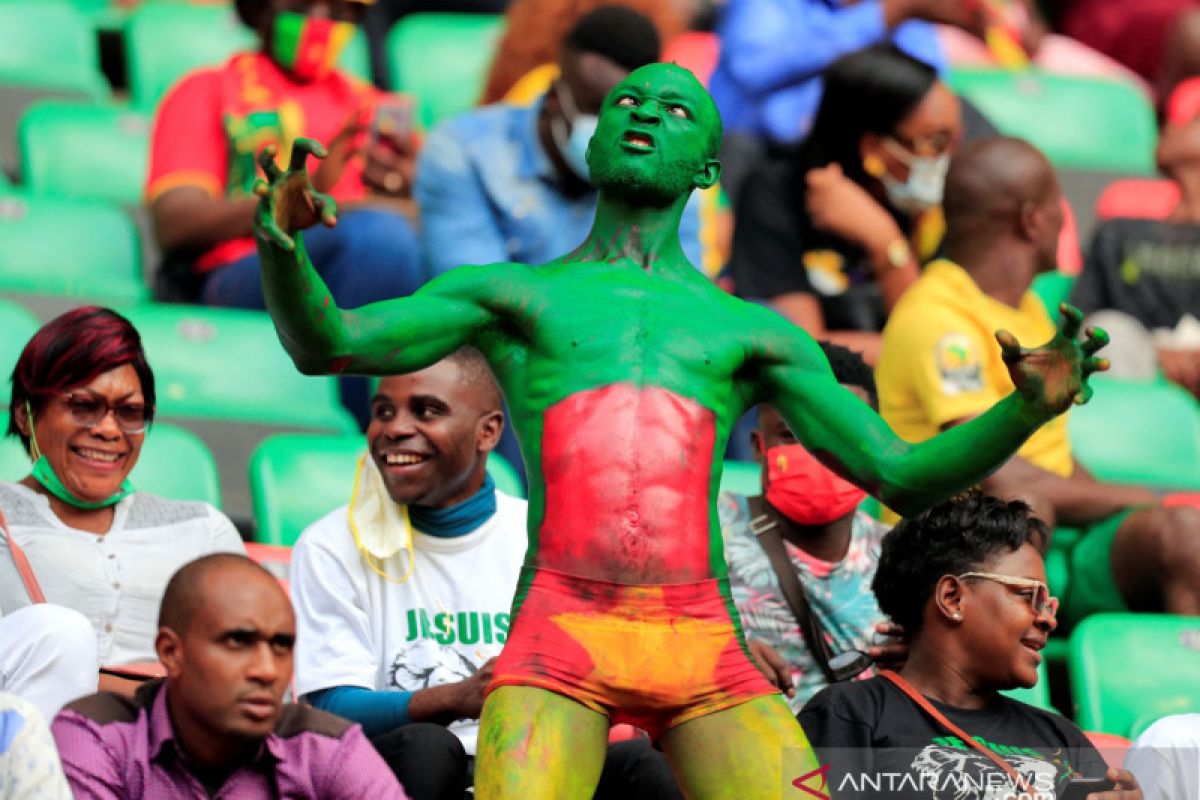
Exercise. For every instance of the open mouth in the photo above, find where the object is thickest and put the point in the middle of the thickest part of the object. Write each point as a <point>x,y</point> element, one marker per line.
<point>404,459</point>
<point>638,140</point>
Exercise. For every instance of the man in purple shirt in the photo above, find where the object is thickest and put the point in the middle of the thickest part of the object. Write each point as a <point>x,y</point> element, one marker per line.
<point>217,725</point>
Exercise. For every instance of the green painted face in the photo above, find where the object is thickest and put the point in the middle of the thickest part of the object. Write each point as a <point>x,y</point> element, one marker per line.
<point>657,137</point>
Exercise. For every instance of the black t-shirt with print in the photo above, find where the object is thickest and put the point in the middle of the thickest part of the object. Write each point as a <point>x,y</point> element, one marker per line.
<point>1147,268</point>
<point>880,744</point>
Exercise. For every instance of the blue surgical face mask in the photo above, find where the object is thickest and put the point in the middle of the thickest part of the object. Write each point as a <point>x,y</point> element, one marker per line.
<point>573,146</point>
<point>925,184</point>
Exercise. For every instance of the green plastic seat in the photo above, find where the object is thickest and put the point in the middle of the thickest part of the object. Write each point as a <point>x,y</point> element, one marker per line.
<point>49,43</point>
<point>177,464</point>
<point>1078,122</point>
<point>17,325</point>
<point>295,479</point>
<point>70,248</point>
<point>165,41</point>
<point>442,59</point>
<point>227,364</point>
<point>741,477</point>
<point>14,463</point>
<point>1134,432</point>
<point>1037,695</point>
<point>91,151</point>
<point>1126,668</point>
<point>1053,289</point>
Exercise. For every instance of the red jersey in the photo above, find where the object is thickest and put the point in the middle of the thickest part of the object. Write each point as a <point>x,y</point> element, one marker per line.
<point>211,125</point>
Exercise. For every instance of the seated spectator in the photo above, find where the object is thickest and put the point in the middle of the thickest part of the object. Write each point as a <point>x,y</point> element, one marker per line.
<point>47,656</point>
<point>82,398</point>
<point>1148,270</point>
<point>941,366</point>
<point>966,583</point>
<point>29,765</point>
<point>534,31</point>
<point>403,596</point>
<point>213,123</point>
<point>1166,758</point>
<point>831,545</point>
<point>830,235</point>
<point>217,725</point>
<point>510,183</point>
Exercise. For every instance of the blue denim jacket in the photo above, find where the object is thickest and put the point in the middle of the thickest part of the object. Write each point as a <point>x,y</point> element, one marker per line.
<point>488,193</point>
<point>768,80</point>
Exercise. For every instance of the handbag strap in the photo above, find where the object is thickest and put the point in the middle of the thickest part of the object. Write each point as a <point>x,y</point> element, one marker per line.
<point>32,587</point>
<point>904,686</point>
<point>765,527</point>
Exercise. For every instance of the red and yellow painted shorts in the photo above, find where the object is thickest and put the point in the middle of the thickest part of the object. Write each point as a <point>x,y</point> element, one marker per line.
<point>651,656</point>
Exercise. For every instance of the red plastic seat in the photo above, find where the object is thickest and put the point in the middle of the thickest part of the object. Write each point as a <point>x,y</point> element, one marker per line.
<point>1111,746</point>
<point>1140,198</point>
<point>276,558</point>
<point>696,51</point>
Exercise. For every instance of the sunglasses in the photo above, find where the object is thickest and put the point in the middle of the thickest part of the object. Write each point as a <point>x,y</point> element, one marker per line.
<point>1039,596</point>
<point>89,410</point>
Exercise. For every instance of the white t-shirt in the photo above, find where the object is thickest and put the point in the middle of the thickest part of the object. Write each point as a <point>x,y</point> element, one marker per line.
<point>1166,758</point>
<point>355,628</point>
<point>115,579</point>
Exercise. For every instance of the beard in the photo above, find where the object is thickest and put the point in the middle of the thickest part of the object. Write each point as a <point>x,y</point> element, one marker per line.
<point>656,183</point>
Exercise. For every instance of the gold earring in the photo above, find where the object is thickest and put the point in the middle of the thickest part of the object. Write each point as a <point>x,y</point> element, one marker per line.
<point>873,165</point>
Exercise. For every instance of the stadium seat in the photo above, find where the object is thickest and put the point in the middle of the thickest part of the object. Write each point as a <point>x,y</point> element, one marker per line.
<point>175,463</point>
<point>49,43</point>
<point>1140,198</point>
<point>1111,747</point>
<point>17,325</point>
<point>1128,667</point>
<point>1134,432</point>
<point>295,479</point>
<point>72,248</point>
<point>1053,289</point>
<point>696,51</point>
<point>741,477</point>
<point>165,41</point>
<point>442,59</point>
<point>1037,695</point>
<point>1078,122</point>
<point>228,365</point>
<point>90,151</point>
<point>276,559</point>
<point>14,463</point>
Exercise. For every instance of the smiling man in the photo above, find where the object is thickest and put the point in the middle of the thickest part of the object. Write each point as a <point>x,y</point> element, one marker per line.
<point>217,725</point>
<point>625,370</point>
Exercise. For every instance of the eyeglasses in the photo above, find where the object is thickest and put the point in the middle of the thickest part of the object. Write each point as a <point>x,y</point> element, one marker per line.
<point>932,145</point>
<point>1039,599</point>
<point>89,410</point>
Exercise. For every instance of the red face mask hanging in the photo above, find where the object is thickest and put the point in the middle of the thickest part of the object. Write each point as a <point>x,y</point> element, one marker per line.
<point>804,490</point>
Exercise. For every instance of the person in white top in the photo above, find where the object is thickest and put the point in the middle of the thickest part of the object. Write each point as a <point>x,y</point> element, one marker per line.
<point>1166,758</point>
<point>82,397</point>
<point>402,596</point>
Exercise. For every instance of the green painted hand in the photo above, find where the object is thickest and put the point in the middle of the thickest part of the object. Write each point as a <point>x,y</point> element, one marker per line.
<point>1054,375</point>
<point>288,202</point>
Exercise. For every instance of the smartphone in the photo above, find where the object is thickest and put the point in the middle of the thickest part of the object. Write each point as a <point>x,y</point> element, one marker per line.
<point>394,115</point>
<point>1080,788</point>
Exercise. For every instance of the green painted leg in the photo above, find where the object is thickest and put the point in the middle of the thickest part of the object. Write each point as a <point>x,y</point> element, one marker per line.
<point>535,744</point>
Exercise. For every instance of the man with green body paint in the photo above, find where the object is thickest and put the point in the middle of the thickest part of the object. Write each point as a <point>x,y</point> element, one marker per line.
<point>624,370</point>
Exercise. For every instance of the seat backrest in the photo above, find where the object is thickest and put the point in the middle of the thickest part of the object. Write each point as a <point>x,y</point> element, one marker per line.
<point>66,247</point>
<point>90,151</point>
<point>741,477</point>
<point>1139,198</point>
<point>442,59</point>
<point>228,364</point>
<point>1037,695</point>
<point>17,325</point>
<point>14,462</point>
<point>177,464</point>
<point>276,559</point>
<point>49,43</point>
<point>1139,432</point>
<point>296,478</point>
<point>1080,122</point>
<point>1053,289</point>
<point>1124,667</point>
<point>165,41</point>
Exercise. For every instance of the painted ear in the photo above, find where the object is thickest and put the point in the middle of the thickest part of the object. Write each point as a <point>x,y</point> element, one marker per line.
<point>708,175</point>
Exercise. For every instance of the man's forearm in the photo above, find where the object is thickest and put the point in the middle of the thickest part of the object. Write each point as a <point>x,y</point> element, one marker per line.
<point>1077,500</point>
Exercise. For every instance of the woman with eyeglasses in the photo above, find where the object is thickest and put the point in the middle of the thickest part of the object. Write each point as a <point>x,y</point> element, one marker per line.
<point>967,583</point>
<point>82,400</point>
<point>832,233</point>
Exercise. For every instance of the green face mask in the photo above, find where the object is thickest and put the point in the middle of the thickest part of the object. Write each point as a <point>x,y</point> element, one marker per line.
<point>43,473</point>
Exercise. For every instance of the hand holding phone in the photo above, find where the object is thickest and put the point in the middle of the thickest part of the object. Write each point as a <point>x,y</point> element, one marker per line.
<point>1082,788</point>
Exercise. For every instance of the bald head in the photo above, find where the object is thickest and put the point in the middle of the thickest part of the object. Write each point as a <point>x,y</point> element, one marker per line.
<point>991,179</point>
<point>186,591</point>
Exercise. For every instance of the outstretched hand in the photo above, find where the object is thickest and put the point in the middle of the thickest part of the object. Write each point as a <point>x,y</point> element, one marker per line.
<point>1054,375</point>
<point>288,202</point>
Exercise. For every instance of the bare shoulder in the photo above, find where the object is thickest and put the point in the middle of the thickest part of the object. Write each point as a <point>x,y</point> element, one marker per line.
<point>774,341</point>
<point>483,283</point>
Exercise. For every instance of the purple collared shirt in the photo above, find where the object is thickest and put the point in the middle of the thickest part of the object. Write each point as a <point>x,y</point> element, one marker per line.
<point>115,747</point>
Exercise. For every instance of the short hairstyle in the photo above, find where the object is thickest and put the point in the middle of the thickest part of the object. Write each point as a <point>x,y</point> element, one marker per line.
<point>72,350</point>
<point>868,91</point>
<point>622,35</point>
<point>474,369</point>
<point>960,535</point>
<point>184,593</point>
<point>851,370</point>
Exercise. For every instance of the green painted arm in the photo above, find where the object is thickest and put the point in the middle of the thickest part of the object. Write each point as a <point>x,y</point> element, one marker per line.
<point>839,427</point>
<point>383,338</point>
